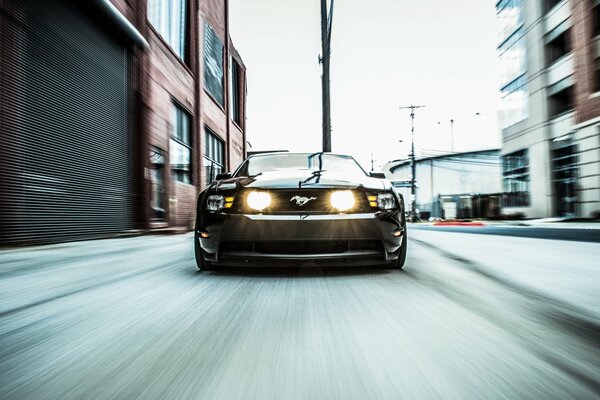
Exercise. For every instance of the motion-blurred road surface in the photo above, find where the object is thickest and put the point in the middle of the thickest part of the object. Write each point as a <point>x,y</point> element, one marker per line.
<point>471,317</point>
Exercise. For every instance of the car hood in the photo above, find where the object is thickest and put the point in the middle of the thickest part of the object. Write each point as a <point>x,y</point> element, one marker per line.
<point>295,179</point>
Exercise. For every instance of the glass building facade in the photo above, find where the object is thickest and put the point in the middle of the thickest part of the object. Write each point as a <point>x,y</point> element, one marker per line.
<point>512,53</point>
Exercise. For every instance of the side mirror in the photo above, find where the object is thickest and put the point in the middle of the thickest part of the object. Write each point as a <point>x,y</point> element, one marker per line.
<point>378,175</point>
<point>224,175</point>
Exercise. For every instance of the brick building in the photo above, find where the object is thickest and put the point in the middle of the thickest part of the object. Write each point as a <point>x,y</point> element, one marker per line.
<point>550,57</point>
<point>115,114</point>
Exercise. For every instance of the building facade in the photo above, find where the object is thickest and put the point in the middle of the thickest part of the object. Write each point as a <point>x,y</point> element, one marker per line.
<point>115,114</point>
<point>549,52</point>
<point>452,185</point>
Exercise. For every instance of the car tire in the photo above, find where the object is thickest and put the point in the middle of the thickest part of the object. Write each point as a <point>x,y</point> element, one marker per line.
<point>399,262</point>
<point>201,263</point>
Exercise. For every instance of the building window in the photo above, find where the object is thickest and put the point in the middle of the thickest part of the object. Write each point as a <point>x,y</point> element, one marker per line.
<point>169,18</point>
<point>510,17</point>
<point>236,92</point>
<point>550,4</point>
<point>514,102</point>
<point>513,57</point>
<point>515,173</point>
<point>596,47</point>
<point>214,157</point>
<point>558,47</point>
<point>596,72</point>
<point>213,64</point>
<point>564,177</point>
<point>596,17</point>
<point>181,146</point>
<point>512,54</point>
<point>157,178</point>
<point>561,102</point>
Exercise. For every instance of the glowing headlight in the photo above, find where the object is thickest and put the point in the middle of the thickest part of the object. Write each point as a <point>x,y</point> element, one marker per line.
<point>386,201</point>
<point>215,203</point>
<point>258,200</point>
<point>342,200</point>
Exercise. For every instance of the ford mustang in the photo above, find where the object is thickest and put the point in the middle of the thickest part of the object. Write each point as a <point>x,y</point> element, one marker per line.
<point>278,209</point>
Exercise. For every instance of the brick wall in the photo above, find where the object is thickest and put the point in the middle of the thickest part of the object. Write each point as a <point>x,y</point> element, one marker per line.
<point>587,105</point>
<point>215,116</point>
<point>163,80</point>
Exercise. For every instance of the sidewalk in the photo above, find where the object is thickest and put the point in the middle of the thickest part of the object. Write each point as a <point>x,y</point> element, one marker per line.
<point>37,274</point>
<point>564,270</point>
<point>556,223</point>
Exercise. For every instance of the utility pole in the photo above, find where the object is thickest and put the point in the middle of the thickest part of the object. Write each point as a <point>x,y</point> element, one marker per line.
<point>452,135</point>
<point>413,165</point>
<point>326,23</point>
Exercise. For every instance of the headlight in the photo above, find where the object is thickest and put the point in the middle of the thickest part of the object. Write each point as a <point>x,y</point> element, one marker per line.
<point>259,200</point>
<point>342,200</point>
<point>386,201</point>
<point>215,203</point>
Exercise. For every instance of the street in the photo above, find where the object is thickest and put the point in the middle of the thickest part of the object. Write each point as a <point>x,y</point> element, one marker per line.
<point>131,318</point>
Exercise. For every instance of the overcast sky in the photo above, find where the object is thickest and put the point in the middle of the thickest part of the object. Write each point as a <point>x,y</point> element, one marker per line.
<point>385,54</point>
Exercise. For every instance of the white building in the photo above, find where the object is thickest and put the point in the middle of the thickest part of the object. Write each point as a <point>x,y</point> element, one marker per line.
<point>451,180</point>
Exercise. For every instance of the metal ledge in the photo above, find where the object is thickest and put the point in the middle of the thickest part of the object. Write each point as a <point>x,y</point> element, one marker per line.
<point>113,17</point>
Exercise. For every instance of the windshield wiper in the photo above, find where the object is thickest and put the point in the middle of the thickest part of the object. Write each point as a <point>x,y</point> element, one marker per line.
<point>315,174</point>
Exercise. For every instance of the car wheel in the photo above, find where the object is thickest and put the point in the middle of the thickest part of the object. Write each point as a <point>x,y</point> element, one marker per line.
<point>399,263</point>
<point>201,263</point>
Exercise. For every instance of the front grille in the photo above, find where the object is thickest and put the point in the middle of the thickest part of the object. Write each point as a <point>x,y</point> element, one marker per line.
<point>236,246</point>
<point>302,201</point>
<point>302,247</point>
<point>299,247</point>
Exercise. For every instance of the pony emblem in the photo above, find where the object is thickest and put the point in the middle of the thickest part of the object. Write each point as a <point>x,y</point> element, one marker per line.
<point>301,201</point>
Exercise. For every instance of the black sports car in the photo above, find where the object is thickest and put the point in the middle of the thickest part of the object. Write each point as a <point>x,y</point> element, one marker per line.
<point>284,208</point>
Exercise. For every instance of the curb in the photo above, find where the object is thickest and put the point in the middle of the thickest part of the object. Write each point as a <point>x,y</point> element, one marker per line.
<point>458,223</point>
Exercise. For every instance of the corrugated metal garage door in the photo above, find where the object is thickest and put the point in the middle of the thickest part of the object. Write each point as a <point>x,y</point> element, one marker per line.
<point>66,156</point>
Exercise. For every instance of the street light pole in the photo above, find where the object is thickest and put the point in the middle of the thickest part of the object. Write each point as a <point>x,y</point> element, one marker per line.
<point>326,23</point>
<point>477,114</point>
<point>452,135</point>
<point>413,165</point>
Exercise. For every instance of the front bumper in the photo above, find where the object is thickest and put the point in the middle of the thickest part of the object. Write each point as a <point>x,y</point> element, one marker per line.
<point>348,239</point>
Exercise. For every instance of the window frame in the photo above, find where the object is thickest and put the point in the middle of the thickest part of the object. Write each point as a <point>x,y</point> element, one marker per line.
<point>548,5</point>
<point>236,92</point>
<point>220,97</point>
<point>558,48</point>
<point>178,110</point>
<point>555,102</point>
<point>183,54</point>
<point>515,168</point>
<point>157,181</point>
<point>209,159</point>
<point>595,18</point>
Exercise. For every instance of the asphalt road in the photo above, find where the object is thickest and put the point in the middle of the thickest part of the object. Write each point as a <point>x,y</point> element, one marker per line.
<point>131,318</point>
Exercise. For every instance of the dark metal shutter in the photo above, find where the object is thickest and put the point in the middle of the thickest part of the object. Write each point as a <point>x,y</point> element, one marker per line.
<point>66,134</point>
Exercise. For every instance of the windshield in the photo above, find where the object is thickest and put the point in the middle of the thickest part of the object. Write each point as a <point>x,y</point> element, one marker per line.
<point>294,161</point>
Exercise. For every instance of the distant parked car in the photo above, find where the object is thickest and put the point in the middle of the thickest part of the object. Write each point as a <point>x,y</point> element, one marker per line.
<point>285,208</point>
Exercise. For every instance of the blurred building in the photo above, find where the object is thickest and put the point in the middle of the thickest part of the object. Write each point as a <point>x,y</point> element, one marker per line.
<point>549,52</point>
<point>114,115</point>
<point>456,185</point>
